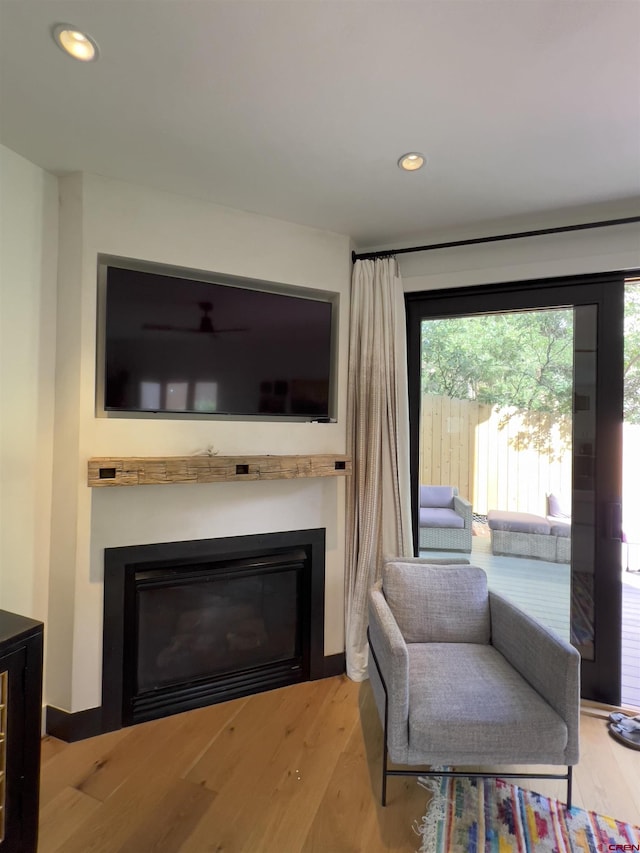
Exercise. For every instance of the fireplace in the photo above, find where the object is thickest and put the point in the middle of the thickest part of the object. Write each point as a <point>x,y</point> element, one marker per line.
<point>188,624</point>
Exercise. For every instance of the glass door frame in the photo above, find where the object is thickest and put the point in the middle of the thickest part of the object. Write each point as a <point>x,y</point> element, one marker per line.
<point>600,676</point>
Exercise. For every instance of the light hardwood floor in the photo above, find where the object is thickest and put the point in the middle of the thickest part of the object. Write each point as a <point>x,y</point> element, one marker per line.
<point>294,770</point>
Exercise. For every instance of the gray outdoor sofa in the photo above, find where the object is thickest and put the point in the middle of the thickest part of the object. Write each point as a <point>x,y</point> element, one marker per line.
<point>461,677</point>
<point>524,534</point>
<point>445,519</point>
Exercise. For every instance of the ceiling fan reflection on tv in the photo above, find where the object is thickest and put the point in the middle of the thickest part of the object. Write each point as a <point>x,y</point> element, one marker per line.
<point>205,326</point>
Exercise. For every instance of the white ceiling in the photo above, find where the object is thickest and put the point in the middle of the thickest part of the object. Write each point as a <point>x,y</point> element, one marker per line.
<point>300,110</point>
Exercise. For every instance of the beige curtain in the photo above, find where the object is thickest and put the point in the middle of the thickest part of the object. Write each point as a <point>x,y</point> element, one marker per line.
<point>378,500</point>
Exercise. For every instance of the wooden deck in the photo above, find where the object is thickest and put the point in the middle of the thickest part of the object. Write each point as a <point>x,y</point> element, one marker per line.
<point>542,589</point>
<point>631,639</point>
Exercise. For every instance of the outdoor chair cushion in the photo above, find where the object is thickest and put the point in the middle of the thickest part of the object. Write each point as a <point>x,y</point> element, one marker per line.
<point>560,528</point>
<point>436,496</point>
<point>437,517</point>
<point>518,522</point>
<point>556,507</point>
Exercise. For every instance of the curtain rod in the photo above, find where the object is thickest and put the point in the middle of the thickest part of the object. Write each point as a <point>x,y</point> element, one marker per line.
<point>386,253</point>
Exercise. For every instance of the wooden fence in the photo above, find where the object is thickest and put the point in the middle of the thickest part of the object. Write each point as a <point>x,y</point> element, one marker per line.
<point>499,458</point>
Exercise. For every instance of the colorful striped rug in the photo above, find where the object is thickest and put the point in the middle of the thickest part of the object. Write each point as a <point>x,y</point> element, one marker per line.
<point>491,816</point>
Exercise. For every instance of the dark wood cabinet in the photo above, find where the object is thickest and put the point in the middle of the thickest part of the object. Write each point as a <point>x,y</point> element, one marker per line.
<point>20,722</point>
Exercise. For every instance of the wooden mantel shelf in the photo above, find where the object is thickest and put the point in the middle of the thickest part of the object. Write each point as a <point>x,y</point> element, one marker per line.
<point>158,470</point>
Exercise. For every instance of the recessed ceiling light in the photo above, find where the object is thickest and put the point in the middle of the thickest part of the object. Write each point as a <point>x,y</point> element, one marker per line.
<point>73,41</point>
<point>411,162</point>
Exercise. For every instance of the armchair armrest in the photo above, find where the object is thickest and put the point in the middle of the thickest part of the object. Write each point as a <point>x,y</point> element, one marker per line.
<point>548,663</point>
<point>392,656</point>
<point>463,507</point>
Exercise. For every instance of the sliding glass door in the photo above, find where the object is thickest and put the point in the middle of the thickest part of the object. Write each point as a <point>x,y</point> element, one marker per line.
<point>631,499</point>
<point>516,422</point>
<point>496,425</point>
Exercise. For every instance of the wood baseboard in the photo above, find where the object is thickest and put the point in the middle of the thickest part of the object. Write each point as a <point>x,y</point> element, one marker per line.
<point>70,727</point>
<point>334,665</point>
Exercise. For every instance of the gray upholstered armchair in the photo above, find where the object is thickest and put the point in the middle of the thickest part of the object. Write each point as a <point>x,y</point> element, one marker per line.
<point>444,519</point>
<point>461,677</point>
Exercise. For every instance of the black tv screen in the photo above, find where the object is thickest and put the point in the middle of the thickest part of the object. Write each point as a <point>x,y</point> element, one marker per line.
<point>181,345</point>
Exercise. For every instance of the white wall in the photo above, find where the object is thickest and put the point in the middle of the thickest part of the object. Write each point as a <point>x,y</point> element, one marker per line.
<point>104,216</point>
<point>28,262</point>
<point>573,253</point>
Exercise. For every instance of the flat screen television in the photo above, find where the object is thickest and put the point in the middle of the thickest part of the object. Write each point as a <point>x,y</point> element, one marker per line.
<point>173,344</point>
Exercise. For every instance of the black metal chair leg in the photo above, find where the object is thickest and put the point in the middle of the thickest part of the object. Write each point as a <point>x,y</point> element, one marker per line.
<point>569,786</point>
<point>384,773</point>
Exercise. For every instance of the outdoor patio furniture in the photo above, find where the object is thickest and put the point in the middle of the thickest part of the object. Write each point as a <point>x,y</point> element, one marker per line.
<point>445,519</point>
<point>561,530</point>
<point>462,677</point>
<point>524,534</point>
<point>559,518</point>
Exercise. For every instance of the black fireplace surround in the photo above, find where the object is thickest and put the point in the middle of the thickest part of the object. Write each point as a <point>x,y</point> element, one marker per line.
<point>192,623</point>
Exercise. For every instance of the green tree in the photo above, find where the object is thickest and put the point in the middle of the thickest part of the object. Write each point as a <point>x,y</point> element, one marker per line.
<point>522,359</point>
<point>632,353</point>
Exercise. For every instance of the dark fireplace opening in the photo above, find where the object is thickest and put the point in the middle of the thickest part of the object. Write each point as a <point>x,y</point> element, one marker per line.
<point>192,623</point>
<point>241,615</point>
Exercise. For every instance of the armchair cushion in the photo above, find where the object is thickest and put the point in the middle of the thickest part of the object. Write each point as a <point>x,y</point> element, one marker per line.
<point>437,496</point>
<point>466,702</point>
<point>420,597</point>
